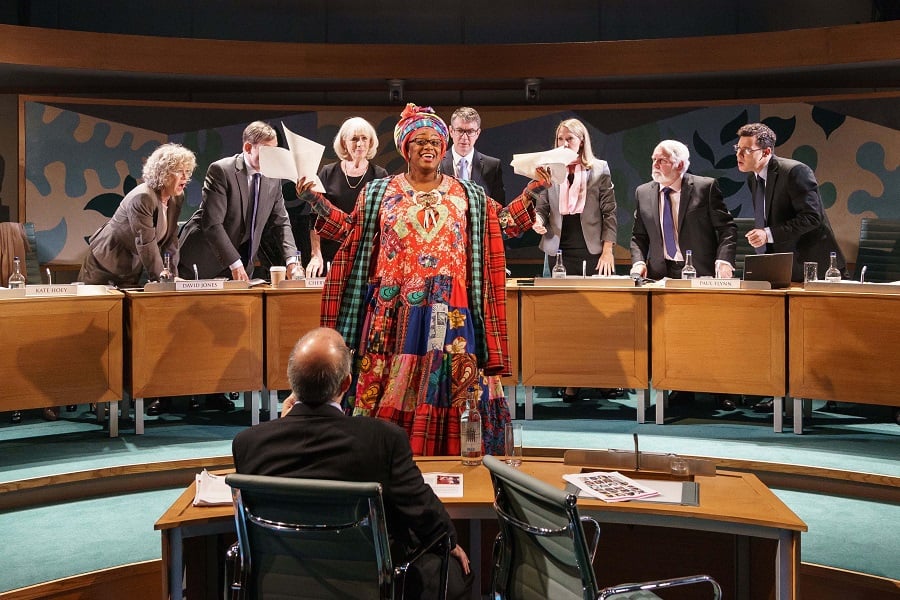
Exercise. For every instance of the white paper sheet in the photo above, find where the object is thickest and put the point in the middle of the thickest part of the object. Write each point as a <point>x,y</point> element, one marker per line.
<point>556,159</point>
<point>301,160</point>
<point>211,490</point>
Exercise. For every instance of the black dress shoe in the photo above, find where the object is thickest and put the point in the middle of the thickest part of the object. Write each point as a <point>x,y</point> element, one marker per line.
<point>569,398</point>
<point>193,404</point>
<point>723,402</point>
<point>71,407</point>
<point>51,413</point>
<point>764,405</point>
<point>16,417</point>
<point>157,407</point>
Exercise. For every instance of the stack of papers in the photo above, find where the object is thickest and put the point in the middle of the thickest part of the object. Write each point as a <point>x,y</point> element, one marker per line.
<point>211,490</point>
<point>610,486</point>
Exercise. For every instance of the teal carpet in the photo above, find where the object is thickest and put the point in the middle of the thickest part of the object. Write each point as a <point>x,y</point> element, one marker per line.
<point>50,542</point>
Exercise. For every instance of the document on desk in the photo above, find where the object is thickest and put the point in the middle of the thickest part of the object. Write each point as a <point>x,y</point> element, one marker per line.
<point>684,493</point>
<point>610,486</point>
<point>211,490</point>
<point>445,485</point>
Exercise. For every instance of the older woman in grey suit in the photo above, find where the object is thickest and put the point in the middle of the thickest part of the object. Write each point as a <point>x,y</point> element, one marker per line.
<point>578,216</point>
<point>130,246</point>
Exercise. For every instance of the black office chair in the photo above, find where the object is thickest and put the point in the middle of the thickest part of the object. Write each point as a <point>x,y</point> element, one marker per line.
<point>542,551</point>
<point>879,250</point>
<point>312,538</point>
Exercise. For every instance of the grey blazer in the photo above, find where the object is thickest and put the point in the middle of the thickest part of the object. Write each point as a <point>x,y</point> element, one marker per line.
<point>133,240</point>
<point>598,220</point>
<point>212,236</point>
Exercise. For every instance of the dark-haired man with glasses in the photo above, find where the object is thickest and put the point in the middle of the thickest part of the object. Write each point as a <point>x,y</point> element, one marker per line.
<point>465,162</point>
<point>788,212</point>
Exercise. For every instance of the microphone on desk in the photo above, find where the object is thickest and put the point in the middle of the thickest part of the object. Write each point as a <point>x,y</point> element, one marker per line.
<point>49,277</point>
<point>196,272</point>
<point>862,274</point>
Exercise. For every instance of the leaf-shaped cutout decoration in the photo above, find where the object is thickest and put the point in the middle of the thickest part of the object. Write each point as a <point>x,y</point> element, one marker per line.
<point>828,120</point>
<point>105,204</point>
<point>729,186</point>
<point>729,129</point>
<point>129,184</point>
<point>728,162</point>
<point>783,128</point>
<point>703,149</point>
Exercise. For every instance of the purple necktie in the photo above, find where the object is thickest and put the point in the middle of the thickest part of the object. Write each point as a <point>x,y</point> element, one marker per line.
<point>463,169</point>
<point>254,195</point>
<point>668,224</point>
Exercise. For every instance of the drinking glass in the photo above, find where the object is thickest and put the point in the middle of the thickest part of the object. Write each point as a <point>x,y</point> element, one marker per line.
<point>810,271</point>
<point>513,435</point>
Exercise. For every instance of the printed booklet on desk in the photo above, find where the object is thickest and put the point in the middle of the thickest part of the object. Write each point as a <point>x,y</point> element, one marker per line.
<point>610,486</point>
<point>445,485</point>
<point>211,490</point>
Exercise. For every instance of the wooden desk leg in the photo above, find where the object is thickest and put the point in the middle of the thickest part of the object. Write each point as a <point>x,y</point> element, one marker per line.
<point>778,414</point>
<point>113,417</point>
<point>273,405</point>
<point>661,399</point>
<point>529,402</point>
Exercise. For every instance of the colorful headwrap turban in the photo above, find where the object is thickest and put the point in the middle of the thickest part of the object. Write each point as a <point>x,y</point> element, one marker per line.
<point>414,118</point>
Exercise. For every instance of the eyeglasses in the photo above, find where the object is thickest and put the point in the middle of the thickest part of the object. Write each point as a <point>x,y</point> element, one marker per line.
<point>660,161</point>
<point>434,143</point>
<point>745,151</point>
<point>466,132</point>
<point>187,173</point>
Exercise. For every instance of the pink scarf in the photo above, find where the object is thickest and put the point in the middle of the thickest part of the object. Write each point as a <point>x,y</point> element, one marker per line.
<point>572,196</point>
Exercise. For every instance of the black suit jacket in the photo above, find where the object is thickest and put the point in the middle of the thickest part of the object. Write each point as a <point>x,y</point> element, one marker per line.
<point>213,235</point>
<point>705,226</point>
<point>322,443</point>
<point>485,171</point>
<point>795,215</point>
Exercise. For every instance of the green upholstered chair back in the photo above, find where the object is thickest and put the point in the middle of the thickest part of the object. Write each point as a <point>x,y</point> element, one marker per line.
<point>879,250</point>
<point>307,538</point>
<point>541,551</point>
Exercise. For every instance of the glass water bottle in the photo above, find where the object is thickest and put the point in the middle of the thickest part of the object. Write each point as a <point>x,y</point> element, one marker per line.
<point>688,271</point>
<point>166,274</point>
<point>298,274</point>
<point>470,431</point>
<point>833,274</point>
<point>559,269</point>
<point>16,280</point>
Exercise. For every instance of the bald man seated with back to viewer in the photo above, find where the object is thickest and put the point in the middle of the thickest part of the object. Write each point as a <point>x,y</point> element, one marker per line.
<point>315,439</point>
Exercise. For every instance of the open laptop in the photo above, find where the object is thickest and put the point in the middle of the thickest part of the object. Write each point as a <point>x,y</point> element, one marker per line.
<point>774,268</point>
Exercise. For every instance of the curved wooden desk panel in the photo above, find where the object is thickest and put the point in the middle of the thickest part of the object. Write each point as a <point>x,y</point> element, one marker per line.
<point>730,342</point>
<point>60,347</point>
<point>182,343</point>
<point>584,337</point>
<point>844,347</point>
<point>289,314</point>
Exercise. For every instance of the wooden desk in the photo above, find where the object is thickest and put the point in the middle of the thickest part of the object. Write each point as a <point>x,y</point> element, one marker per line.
<point>512,330</point>
<point>181,343</point>
<point>289,313</point>
<point>843,347</point>
<point>740,529</point>
<point>721,341</point>
<point>62,347</point>
<point>584,337</point>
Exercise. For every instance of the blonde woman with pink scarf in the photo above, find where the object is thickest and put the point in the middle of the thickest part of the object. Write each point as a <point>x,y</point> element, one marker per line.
<point>578,216</point>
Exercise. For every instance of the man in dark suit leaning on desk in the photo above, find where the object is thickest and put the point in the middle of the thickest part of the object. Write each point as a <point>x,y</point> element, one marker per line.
<point>315,439</point>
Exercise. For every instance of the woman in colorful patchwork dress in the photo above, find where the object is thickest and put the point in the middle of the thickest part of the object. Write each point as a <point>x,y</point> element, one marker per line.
<point>418,290</point>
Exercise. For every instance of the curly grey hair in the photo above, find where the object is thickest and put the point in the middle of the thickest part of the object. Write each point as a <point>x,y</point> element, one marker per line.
<point>167,160</point>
